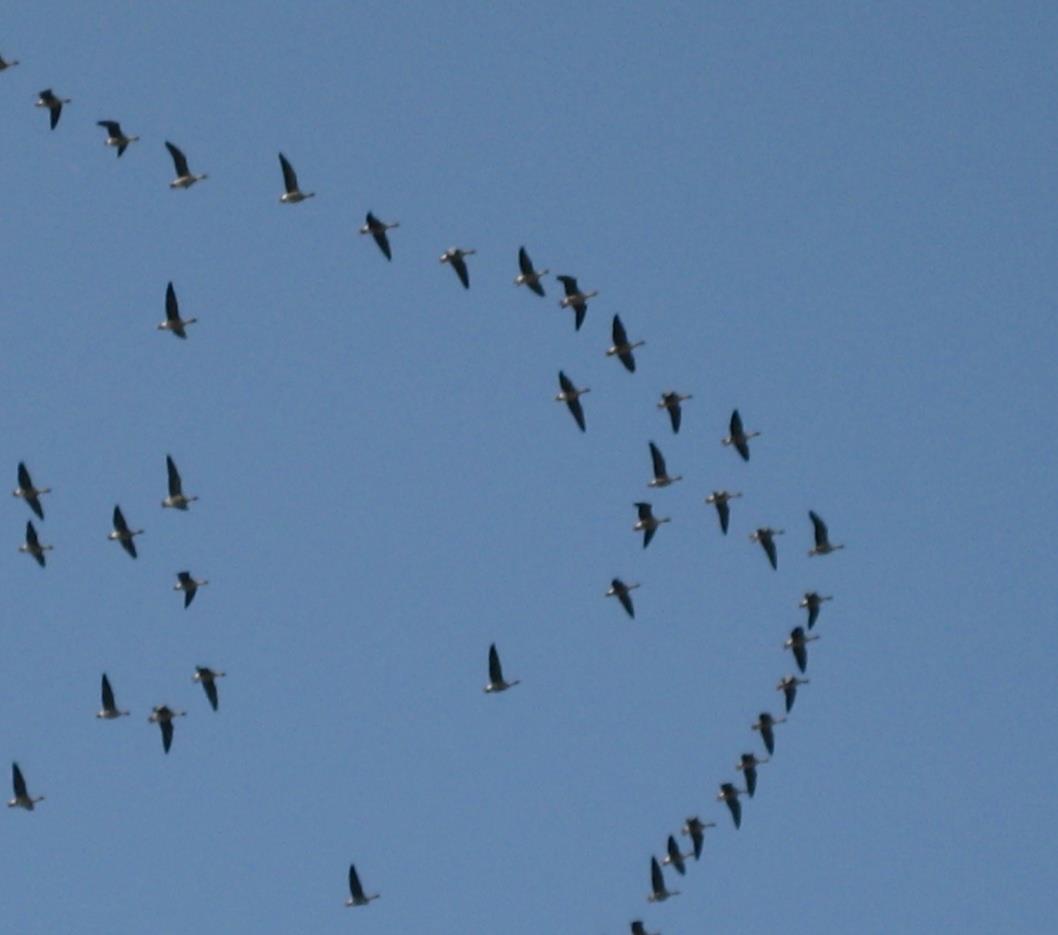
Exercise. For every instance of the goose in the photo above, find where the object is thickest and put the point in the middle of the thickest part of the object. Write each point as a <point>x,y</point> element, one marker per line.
<point>620,590</point>
<point>163,715</point>
<point>788,686</point>
<point>812,601</point>
<point>570,395</point>
<point>797,643</point>
<point>765,535</point>
<point>674,856</point>
<point>496,682</point>
<point>455,257</point>
<point>661,477</point>
<point>748,764</point>
<point>819,529</point>
<point>377,229</point>
<point>28,492</point>
<point>32,544</point>
<point>177,499</point>
<point>529,276</point>
<point>184,178</point>
<point>115,137</point>
<point>575,299</point>
<point>647,522</point>
<point>110,710</point>
<point>621,347</point>
<point>22,798</point>
<point>188,585</point>
<point>207,678</point>
<point>765,724</point>
<point>719,499</point>
<point>293,194</point>
<point>173,322</point>
<point>54,105</point>
<point>729,794</point>
<point>695,827</point>
<point>357,896</point>
<point>121,532</point>
<point>658,892</point>
<point>638,929</point>
<point>671,400</point>
<point>738,436</point>
<point>6,64</point>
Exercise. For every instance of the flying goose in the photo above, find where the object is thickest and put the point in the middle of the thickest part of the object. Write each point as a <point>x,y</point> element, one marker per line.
<point>115,137</point>
<point>621,347</point>
<point>496,681</point>
<point>184,178</point>
<point>173,322</point>
<point>357,897</point>
<point>54,105</point>
<point>661,477</point>
<point>748,764</point>
<point>121,532</point>
<point>455,257</point>
<point>22,798</point>
<point>207,677</point>
<point>819,529</point>
<point>570,395</point>
<point>729,794</point>
<point>177,499</point>
<point>695,827</point>
<point>765,535</point>
<point>738,437</point>
<point>28,492</point>
<point>658,892</point>
<point>163,715</point>
<point>812,601</point>
<point>4,65</point>
<point>293,194</point>
<point>377,229</point>
<point>110,710</point>
<point>529,276</point>
<point>719,499</point>
<point>765,724</point>
<point>32,544</point>
<point>575,299</point>
<point>788,686</point>
<point>797,644</point>
<point>620,590</point>
<point>671,400</point>
<point>647,522</point>
<point>638,929</point>
<point>188,585</point>
<point>674,856</point>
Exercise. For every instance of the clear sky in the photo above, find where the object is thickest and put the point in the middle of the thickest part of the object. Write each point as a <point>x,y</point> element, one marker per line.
<point>838,217</point>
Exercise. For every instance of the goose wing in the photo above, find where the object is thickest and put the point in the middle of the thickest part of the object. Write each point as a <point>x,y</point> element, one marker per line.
<point>569,283</point>
<point>179,160</point>
<point>167,734</point>
<point>797,646</point>
<point>675,857</point>
<point>658,461</point>
<point>378,232</point>
<point>768,544</point>
<point>657,880</point>
<point>724,512</point>
<point>738,436</point>
<point>495,669</point>
<point>172,307</point>
<point>120,526</point>
<point>581,309</point>
<point>31,536</point>
<point>819,529</point>
<point>697,837</point>
<point>108,695</point>
<point>789,691</point>
<point>675,411</point>
<point>175,484</point>
<point>527,270</point>
<point>18,783</point>
<point>620,336</point>
<point>290,177</point>
<point>460,266</point>
<point>113,128</point>
<point>209,686</point>
<point>813,612</point>
<point>624,597</point>
<point>767,733</point>
<point>736,810</point>
<point>25,482</point>
<point>620,341</point>
<point>749,770</point>
<point>355,889</point>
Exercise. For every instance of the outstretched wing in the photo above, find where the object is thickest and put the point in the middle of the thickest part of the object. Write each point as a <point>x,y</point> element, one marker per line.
<point>460,266</point>
<point>167,734</point>
<point>175,484</point>
<point>290,177</point>
<point>495,669</point>
<point>819,528</point>
<point>657,460</point>
<point>108,694</point>
<point>17,782</point>
<point>179,160</point>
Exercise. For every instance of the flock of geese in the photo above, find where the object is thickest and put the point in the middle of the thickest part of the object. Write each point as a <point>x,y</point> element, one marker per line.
<point>570,394</point>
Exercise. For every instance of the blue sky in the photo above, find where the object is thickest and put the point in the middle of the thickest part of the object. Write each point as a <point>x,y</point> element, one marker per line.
<point>839,219</point>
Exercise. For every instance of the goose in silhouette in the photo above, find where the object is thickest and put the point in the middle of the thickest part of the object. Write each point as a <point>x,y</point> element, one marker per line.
<point>738,436</point>
<point>8,63</point>
<point>188,585</point>
<point>184,177</point>
<point>671,401</point>
<point>496,681</point>
<point>661,476</point>
<point>720,499</point>
<point>766,724</point>
<point>638,929</point>
<point>54,105</point>
<point>377,229</point>
<point>648,523</point>
<point>765,535</point>
<point>110,710</point>
<point>32,545</point>
<point>620,590</point>
<point>570,395</point>
<point>357,896</point>
<point>788,686</point>
<point>695,827</point>
<point>291,194</point>
<point>207,678</point>
<point>528,276</point>
<point>674,856</point>
<point>823,545</point>
<point>797,644</point>
<point>748,764</point>
<point>28,492</point>
<point>812,601</point>
<point>455,257</point>
<point>729,794</point>
<point>177,499</point>
<point>22,797</point>
<point>622,348</point>
<point>121,532</point>
<point>658,892</point>
<point>163,715</point>
<point>173,322</point>
<point>575,299</point>
<point>115,137</point>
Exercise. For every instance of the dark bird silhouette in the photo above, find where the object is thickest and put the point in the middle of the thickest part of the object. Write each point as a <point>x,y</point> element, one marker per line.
<point>766,724</point>
<point>455,257</point>
<point>788,686</point>
<point>738,436</point>
<point>54,104</point>
<point>647,522</point>
<point>720,499</point>
<point>620,590</point>
<point>674,856</point>
<point>622,348</point>
<point>496,682</point>
<point>765,535</point>
<point>575,299</point>
<point>207,678</point>
<point>529,276</point>
<point>184,177</point>
<point>812,601</point>
<point>173,322</point>
<point>110,710</point>
<point>823,545</point>
<point>189,585</point>
<point>797,644</point>
<point>377,229</point>
<point>658,893</point>
<point>661,478</point>
<point>570,395</point>
<point>748,764</point>
<point>671,401</point>
<point>32,545</point>
<point>292,194</point>
<point>115,137</point>
<point>695,827</point>
<point>177,499</point>
<point>121,532</point>
<point>28,492</point>
<point>163,715</point>
<point>22,798</point>
<point>357,896</point>
<point>729,794</point>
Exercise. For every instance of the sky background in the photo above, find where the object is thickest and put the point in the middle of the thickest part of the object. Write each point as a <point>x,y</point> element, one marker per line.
<point>839,218</point>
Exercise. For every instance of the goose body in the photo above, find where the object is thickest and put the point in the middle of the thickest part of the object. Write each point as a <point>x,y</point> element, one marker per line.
<point>185,178</point>
<point>189,585</point>
<point>32,545</point>
<point>357,896</point>
<point>720,499</point>
<point>671,400</point>
<point>528,276</point>
<point>207,678</point>
<point>661,477</point>
<point>622,348</point>
<point>122,533</point>
<point>28,492</point>
<point>177,499</point>
<point>575,299</point>
<point>695,827</point>
<point>797,644</point>
<point>115,137</point>
<point>765,535</point>
<point>163,716</point>
<point>674,856</point>
<point>738,436</point>
<point>766,724</point>
<point>22,798</point>
<point>456,258</point>
<point>173,322</point>
<point>748,764</point>
<point>788,686</point>
<point>812,601</point>
<point>291,194</point>
<point>570,394</point>
<point>110,710</point>
<point>496,682</point>
<point>658,892</point>
<point>620,590</point>
<point>729,795</point>
<point>648,523</point>
<point>823,545</point>
<point>377,229</point>
<point>54,104</point>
